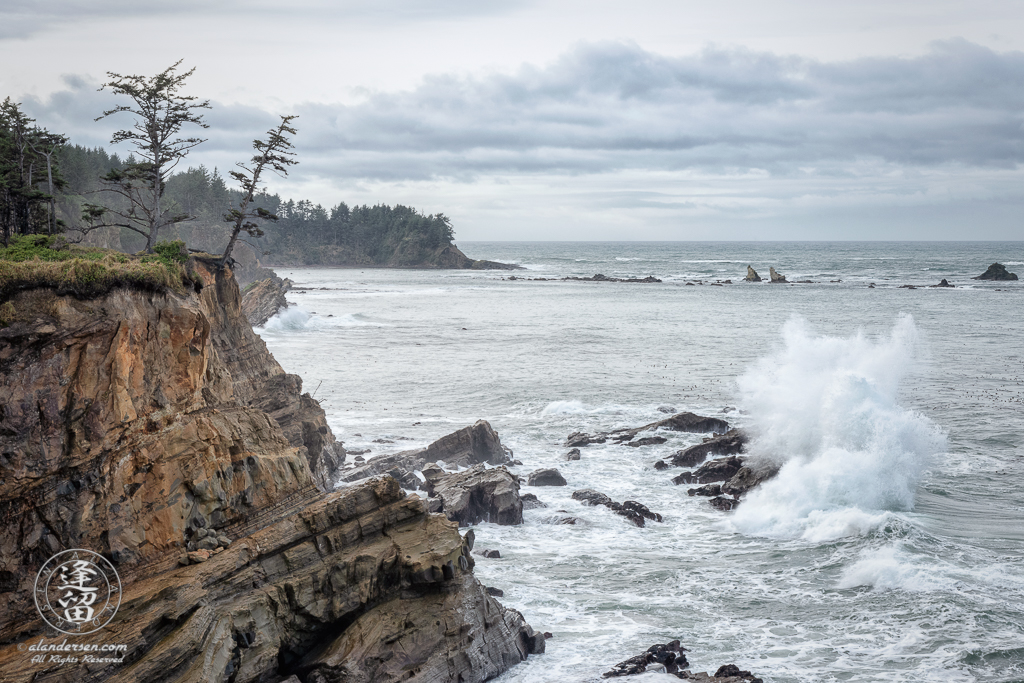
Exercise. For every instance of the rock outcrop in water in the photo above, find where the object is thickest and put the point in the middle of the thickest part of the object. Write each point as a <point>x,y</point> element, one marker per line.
<point>464,448</point>
<point>670,658</point>
<point>479,495</point>
<point>635,512</point>
<point>681,422</point>
<point>730,443</point>
<point>140,425</point>
<point>997,271</point>
<point>264,299</point>
<point>752,275</point>
<point>775,276</point>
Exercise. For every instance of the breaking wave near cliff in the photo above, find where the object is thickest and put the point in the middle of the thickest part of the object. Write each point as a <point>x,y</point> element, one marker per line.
<point>826,409</point>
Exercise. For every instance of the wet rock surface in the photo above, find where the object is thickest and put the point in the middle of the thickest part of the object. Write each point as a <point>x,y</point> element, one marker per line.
<point>681,422</point>
<point>635,512</point>
<point>531,502</point>
<point>730,443</point>
<point>670,658</point>
<point>722,469</point>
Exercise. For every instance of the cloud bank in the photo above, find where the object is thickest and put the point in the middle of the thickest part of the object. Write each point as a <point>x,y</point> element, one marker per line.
<point>794,126</point>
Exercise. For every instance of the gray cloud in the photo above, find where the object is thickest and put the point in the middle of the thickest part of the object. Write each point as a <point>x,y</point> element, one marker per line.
<point>612,107</point>
<point>21,19</point>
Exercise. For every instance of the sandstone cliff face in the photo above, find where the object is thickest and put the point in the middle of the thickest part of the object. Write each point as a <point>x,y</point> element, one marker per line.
<point>138,423</point>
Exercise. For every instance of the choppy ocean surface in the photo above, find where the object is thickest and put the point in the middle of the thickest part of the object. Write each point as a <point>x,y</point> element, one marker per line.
<point>889,548</point>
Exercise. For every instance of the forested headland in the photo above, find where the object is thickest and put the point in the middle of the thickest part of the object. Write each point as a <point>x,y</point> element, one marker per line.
<point>48,185</point>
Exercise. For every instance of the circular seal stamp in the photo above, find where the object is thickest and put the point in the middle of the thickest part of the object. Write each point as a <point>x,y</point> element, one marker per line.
<point>77,591</point>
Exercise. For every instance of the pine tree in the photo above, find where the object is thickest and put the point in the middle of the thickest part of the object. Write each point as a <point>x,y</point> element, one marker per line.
<point>160,113</point>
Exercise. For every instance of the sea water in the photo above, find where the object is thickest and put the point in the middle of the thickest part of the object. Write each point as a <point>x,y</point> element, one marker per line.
<point>890,547</point>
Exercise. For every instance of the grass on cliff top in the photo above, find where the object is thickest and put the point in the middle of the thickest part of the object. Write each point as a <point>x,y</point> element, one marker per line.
<point>37,261</point>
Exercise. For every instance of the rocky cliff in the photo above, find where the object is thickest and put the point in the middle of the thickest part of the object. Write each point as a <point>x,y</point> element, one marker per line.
<point>146,425</point>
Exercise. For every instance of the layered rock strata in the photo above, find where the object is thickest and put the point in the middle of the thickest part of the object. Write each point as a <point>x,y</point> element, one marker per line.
<point>144,425</point>
<point>265,299</point>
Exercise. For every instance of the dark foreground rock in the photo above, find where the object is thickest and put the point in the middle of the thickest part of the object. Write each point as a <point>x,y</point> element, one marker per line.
<point>722,469</point>
<point>635,512</point>
<point>730,443</point>
<point>997,271</point>
<point>480,495</point>
<point>604,278</point>
<point>464,448</point>
<point>546,477</point>
<point>265,299</point>
<point>531,502</point>
<point>681,422</point>
<point>752,474</point>
<point>739,477</point>
<point>133,425</point>
<point>670,658</point>
<point>574,454</point>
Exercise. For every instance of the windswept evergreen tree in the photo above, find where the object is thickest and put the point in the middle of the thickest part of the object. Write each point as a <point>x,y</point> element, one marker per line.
<point>273,154</point>
<point>160,113</point>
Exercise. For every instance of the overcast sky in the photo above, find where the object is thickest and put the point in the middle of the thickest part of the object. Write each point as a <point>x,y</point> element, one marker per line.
<point>566,119</point>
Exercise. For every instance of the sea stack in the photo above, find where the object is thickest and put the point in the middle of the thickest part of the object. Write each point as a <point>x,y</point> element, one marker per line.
<point>752,275</point>
<point>997,271</point>
<point>775,275</point>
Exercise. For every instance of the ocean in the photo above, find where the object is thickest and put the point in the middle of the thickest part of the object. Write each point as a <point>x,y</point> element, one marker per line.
<point>889,548</point>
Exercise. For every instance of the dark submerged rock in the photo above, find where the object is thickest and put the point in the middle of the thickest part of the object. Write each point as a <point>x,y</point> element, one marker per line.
<point>580,439</point>
<point>722,469</point>
<point>706,490</point>
<point>647,441</point>
<point>531,502</point>
<point>730,443</point>
<point>630,509</point>
<point>574,454</point>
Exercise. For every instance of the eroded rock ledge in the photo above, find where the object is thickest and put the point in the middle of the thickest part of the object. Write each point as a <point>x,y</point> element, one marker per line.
<point>139,425</point>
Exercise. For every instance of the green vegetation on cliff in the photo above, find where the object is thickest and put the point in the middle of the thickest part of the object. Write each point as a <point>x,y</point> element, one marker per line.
<point>38,261</point>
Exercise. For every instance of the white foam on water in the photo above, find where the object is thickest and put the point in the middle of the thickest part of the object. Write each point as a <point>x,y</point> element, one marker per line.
<point>890,568</point>
<point>580,408</point>
<point>291,318</point>
<point>827,409</point>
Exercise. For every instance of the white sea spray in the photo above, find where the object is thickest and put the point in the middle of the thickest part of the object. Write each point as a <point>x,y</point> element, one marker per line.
<point>826,409</point>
